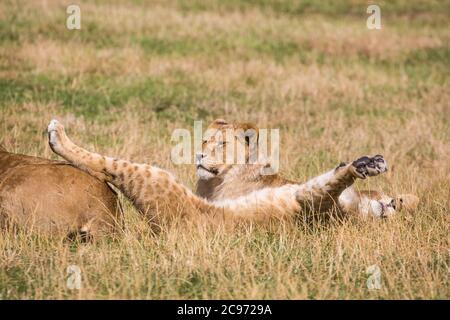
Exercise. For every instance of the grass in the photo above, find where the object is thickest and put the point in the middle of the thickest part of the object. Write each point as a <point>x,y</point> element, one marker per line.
<point>336,90</point>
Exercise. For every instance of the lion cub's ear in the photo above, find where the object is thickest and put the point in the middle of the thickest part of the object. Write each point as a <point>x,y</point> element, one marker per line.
<point>249,131</point>
<point>219,122</point>
<point>407,202</point>
<point>247,126</point>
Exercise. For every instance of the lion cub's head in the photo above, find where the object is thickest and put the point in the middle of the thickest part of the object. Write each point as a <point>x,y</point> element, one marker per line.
<point>225,145</point>
<point>407,202</point>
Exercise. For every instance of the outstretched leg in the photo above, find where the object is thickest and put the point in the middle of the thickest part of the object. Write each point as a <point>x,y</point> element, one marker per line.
<point>151,189</point>
<point>92,163</point>
<point>321,193</point>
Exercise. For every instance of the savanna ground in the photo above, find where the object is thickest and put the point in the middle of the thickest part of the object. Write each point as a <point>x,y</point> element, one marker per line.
<point>336,90</point>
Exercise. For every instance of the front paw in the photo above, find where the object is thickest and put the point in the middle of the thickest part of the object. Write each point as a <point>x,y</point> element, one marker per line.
<point>369,166</point>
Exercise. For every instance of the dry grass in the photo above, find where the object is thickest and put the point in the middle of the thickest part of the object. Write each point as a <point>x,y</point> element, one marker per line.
<point>335,89</point>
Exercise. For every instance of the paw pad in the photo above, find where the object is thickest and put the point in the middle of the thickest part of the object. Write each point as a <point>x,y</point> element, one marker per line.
<point>369,166</point>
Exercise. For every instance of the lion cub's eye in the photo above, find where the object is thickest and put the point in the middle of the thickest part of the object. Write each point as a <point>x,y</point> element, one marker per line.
<point>392,203</point>
<point>221,143</point>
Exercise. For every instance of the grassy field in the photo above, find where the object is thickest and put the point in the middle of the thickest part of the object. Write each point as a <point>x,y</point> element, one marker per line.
<point>137,70</point>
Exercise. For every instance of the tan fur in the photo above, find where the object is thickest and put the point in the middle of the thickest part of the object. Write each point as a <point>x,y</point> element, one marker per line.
<point>407,202</point>
<point>156,193</point>
<point>229,181</point>
<point>232,180</point>
<point>64,199</point>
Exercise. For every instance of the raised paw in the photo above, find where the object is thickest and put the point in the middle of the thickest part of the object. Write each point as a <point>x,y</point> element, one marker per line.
<point>55,133</point>
<point>369,166</point>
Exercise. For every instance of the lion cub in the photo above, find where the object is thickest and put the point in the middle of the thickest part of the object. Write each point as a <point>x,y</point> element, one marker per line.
<point>219,181</point>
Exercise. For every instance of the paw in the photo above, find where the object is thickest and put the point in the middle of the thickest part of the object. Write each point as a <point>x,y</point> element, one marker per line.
<point>54,125</point>
<point>55,131</point>
<point>369,167</point>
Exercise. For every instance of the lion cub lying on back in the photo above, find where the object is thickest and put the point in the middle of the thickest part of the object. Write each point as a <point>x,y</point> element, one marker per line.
<point>219,181</point>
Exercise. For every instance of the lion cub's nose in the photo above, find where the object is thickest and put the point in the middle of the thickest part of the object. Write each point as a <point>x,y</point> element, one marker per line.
<point>198,158</point>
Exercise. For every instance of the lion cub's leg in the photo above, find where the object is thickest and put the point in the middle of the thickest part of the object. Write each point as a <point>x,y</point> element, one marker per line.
<point>321,193</point>
<point>63,146</point>
<point>152,190</point>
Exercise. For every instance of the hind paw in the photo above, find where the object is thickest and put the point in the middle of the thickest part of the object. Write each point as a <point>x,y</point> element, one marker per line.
<point>369,166</point>
<point>55,132</point>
